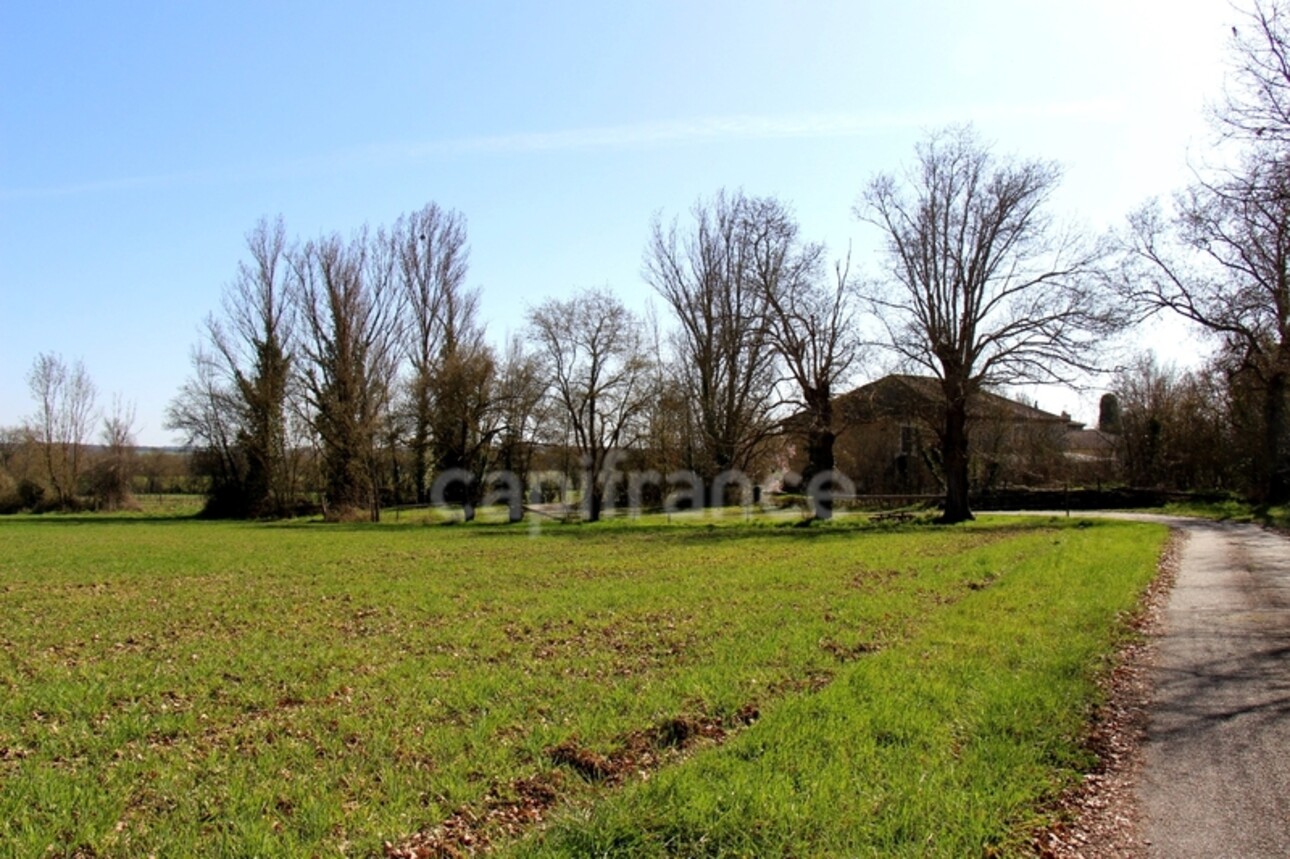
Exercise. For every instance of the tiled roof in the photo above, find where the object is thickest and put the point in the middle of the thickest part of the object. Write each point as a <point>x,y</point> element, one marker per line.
<point>900,394</point>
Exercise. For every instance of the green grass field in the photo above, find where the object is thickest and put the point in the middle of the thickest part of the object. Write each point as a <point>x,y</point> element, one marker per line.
<point>1232,511</point>
<point>174,687</point>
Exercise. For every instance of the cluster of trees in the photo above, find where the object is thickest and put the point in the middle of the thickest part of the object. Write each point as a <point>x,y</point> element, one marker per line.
<point>355,368</point>
<point>56,460</point>
<point>1218,256</point>
<point>357,371</point>
<point>1193,430</point>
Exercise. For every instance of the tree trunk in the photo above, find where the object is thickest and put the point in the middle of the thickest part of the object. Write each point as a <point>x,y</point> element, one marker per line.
<point>422,451</point>
<point>819,447</point>
<point>1277,482</point>
<point>594,502</point>
<point>396,473</point>
<point>819,451</point>
<point>420,467</point>
<point>955,461</point>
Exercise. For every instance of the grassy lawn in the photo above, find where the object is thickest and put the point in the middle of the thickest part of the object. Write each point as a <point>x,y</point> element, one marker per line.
<point>1231,511</point>
<point>183,688</point>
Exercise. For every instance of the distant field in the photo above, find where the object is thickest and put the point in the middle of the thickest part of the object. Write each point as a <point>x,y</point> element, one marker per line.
<point>196,688</point>
<point>1232,511</point>
<point>169,505</point>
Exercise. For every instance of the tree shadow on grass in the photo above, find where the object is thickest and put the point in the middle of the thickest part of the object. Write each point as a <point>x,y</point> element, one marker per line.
<point>700,532</point>
<point>70,519</point>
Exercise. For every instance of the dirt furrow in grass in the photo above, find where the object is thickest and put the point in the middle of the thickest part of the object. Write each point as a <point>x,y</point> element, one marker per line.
<point>947,743</point>
<point>509,812</point>
<point>530,697</point>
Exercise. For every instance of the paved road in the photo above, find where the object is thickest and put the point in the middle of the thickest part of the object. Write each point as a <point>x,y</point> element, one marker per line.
<point>1216,780</point>
<point>1216,777</point>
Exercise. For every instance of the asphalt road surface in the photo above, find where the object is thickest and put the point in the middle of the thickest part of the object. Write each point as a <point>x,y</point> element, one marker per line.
<point>1216,780</point>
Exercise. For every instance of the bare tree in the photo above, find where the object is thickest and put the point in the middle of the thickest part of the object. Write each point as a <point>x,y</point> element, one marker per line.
<point>432,263</point>
<point>467,418</point>
<point>114,472</point>
<point>592,346</point>
<point>346,297</point>
<point>982,289</point>
<point>1223,261</point>
<point>65,400</point>
<point>234,409</point>
<point>1175,429</point>
<point>15,448</point>
<point>813,328</point>
<point>464,419</point>
<point>1219,259</point>
<point>716,278</point>
<point>669,430</point>
<point>1256,107</point>
<point>12,440</point>
<point>253,346</point>
<point>206,413</point>
<point>521,389</point>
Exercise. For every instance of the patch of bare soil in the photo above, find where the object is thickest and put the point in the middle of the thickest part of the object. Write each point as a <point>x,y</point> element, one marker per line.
<point>506,814</point>
<point>1099,818</point>
<point>469,832</point>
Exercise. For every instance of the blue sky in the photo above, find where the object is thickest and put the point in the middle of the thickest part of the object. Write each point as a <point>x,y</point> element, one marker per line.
<point>139,142</point>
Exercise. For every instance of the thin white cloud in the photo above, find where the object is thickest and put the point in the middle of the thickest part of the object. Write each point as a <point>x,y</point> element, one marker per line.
<point>630,136</point>
<point>124,183</point>
<point>804,126</point>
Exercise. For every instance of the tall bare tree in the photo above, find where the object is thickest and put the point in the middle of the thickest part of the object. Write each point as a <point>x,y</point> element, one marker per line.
<point>432,262</point>
<point>668,419</point>
<point>1219,258</point>
<point>253,343</point>
<point>235,407</point>
<point>1222,260</point>
<point>715,277</point>
<point>113,474</point>
<point>598,371</point>
<point>464,417</point>
<point>65,413</point>
<point>521,389</point>
<point>347,299</point>
<point>467,418</point>
<point>983,290</point>
<point>813,328</point>
<point>207,414</point>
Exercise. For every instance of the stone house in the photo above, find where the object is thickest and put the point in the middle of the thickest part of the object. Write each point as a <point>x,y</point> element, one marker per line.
<point>887,441</point>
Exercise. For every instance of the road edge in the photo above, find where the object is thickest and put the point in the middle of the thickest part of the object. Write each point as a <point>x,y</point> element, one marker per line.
<point>1100,817</point>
